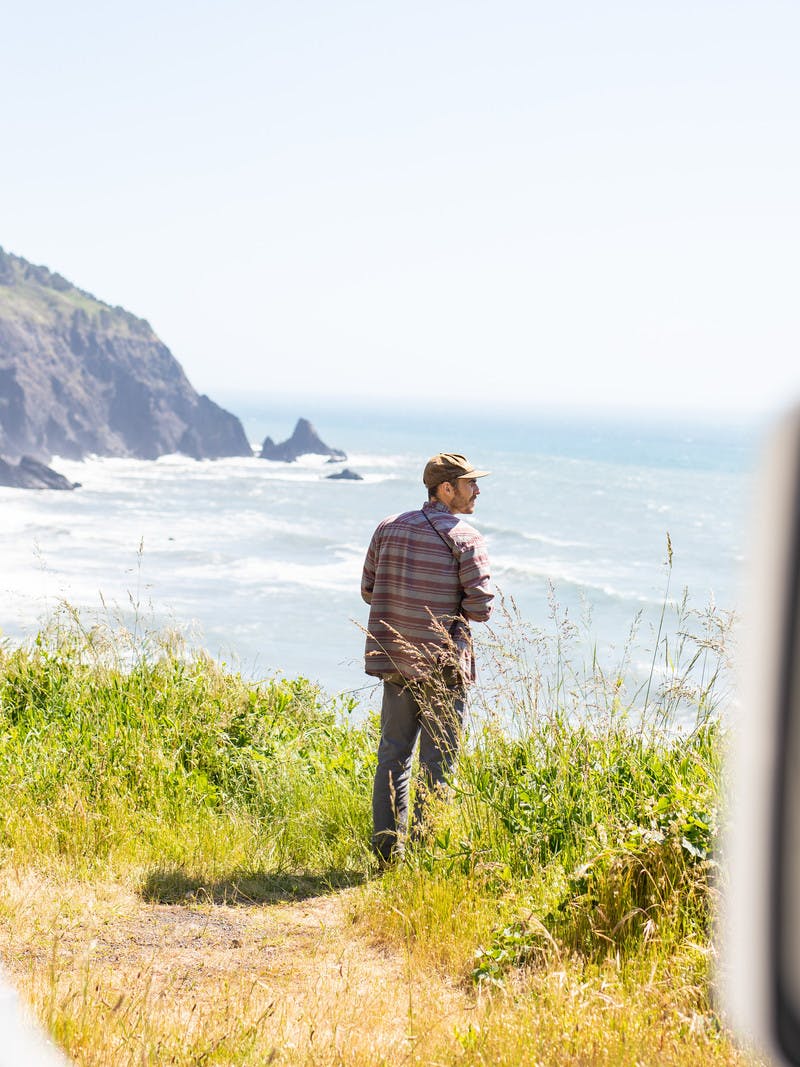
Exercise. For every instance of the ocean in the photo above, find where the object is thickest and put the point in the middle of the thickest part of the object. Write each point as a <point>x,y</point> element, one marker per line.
<point>259,563</point>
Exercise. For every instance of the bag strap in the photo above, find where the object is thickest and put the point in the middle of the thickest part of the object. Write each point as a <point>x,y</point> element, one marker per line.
<point>442,538</point>
<point>456,556</point>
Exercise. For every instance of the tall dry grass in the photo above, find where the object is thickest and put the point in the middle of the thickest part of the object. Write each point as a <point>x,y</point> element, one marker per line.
<point>556,911</point>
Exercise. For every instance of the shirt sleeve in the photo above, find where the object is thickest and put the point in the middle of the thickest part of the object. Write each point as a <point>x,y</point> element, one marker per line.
<point>473,572</point>
<point>368,573</point>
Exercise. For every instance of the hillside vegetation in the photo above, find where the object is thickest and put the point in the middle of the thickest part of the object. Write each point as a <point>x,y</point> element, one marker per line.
<point>78,376</point>
<point>190,882</point>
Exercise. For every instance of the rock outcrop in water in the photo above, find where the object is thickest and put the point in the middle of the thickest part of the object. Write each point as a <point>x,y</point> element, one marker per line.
<point>304,441</point>
<point>345,475</point>
<point>78,376</point>
<point>29,473</point>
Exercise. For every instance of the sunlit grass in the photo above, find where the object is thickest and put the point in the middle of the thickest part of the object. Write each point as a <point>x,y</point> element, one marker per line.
<point>171,758</point>
<point>186,856</point>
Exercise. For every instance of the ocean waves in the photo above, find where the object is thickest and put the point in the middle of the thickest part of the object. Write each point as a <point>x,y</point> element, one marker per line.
<point>580,578</point>
<point>262,560</point>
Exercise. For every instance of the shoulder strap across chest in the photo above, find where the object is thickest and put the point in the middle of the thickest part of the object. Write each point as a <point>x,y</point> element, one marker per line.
<point>442,538</point>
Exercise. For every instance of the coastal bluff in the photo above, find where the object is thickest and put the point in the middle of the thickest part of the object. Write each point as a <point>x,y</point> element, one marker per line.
<point>80,377</point>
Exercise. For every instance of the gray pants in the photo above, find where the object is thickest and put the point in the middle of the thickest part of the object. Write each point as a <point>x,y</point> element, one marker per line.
<point>407,712</point>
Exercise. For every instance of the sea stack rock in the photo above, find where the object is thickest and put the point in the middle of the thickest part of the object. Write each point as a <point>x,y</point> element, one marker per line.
<point>346,474</point>
<point>29,473</point>
<point>305,441</point>
<point>78,376</point>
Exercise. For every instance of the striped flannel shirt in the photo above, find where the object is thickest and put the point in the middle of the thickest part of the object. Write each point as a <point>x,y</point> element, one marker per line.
<point>416,586</point>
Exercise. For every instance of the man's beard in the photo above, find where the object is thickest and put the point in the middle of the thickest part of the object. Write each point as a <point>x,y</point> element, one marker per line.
<point>465,502</point>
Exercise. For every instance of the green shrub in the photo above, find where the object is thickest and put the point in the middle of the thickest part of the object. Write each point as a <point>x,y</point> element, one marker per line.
<point>588,813</point>
<point>100,757</point>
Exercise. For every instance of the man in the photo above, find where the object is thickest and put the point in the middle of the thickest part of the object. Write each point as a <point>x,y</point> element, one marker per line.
<point>425,575</point>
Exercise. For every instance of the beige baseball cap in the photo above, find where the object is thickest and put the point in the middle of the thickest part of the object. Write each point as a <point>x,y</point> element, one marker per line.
<point>449,467</point>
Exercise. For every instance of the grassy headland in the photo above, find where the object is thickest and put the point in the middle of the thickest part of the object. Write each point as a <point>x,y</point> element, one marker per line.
<point>558,912</point>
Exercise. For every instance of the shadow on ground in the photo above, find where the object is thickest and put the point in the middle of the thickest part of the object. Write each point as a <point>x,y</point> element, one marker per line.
<point>165,886</point>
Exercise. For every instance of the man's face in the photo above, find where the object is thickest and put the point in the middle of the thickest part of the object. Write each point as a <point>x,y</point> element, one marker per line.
<point>465,493</point>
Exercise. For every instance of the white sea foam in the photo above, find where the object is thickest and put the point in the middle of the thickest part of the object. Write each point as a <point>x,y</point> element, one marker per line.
<point>375,459</point>
<point>533,537</point>
<point>264,555</point>
<point>555,571</point>
<point>260,575</point>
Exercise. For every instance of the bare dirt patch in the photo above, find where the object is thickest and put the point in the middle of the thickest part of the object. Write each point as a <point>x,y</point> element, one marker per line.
<point>121,980</point>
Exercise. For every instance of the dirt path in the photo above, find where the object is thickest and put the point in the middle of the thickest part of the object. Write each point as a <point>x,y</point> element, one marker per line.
<point>136,982</point>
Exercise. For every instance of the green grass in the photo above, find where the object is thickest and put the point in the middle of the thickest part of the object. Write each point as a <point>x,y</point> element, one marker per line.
<point>578,837</point>
<point>581,828</point>
<point>170,759</point>
<point>30,301</point>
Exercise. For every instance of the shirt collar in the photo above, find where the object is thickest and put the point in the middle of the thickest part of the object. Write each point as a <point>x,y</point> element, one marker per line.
<point>436,505</point>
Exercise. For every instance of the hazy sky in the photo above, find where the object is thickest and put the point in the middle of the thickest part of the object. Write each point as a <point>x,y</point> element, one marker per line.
<point>506,203</point>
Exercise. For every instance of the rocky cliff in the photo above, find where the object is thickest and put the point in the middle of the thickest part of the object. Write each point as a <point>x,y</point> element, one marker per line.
<point>305,441</point>
<point>29,473</point>
<point>78,376</point>
<point>345,475</point>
